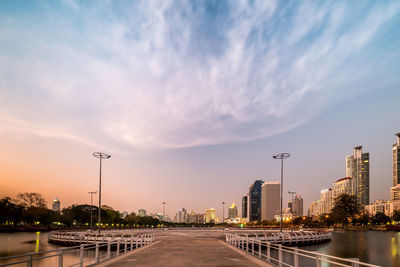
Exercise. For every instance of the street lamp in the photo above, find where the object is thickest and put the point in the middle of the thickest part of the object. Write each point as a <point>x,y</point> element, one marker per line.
<point>91,208</point>
<point>281,156</point>
<point>223,212</point>
<point>101,156</point>
<point>164,210</point>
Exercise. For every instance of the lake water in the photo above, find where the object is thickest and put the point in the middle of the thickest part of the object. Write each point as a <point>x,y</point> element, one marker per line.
<point>380,248</point>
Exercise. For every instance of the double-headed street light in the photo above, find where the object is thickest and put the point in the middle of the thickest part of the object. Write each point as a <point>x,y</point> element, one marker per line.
<point>281,156</point>
<point>91,208</point>
<point>101,156</point>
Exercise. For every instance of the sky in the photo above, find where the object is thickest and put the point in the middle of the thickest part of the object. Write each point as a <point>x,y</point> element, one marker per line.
<point>193,98</point>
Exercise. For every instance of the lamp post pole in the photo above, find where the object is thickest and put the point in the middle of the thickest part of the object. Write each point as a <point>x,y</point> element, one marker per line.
<point>164,210</point>
<point>281,156</point>
<point>223,212</point>
<point>91,208</point>
<point>101,156</point>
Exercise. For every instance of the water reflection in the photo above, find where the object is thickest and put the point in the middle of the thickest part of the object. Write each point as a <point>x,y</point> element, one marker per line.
<point>37,241</point>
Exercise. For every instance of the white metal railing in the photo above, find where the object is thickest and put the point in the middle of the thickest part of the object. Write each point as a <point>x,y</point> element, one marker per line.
<point>114,249</point>
<point>265,250</point>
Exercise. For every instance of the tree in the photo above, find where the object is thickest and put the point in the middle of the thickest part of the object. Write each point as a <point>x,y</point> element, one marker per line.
<point>10,212</point>
<point>380,218</point>
<point>31,200</point>
<point>396,215</point>
<point>344,209</point>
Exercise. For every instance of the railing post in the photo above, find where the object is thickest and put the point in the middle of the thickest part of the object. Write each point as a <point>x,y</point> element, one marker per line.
<point>60,258</point>
<point>136,241</point>
<point>247,244</point>
<point>29,262</point>
<point>252,247</point>
<point>296,257</point>
<point>318,261</point>
<point>280,255</point>
<point>126,246</point>
<point>96,254</point>
<point>259,249</point>
<point>353,264</point>
<point>131,242</point>
<point>268,252</point>
<point>81,255</point>
<point>118,247</point>
<point>108,248</point>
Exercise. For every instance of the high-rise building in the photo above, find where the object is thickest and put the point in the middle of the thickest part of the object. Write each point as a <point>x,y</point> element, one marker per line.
<point>314,209</point>
<point>210,215</point>
<point>56,206</point>
<point>357,167</point>
<point>255,201</point>
<point>142,213</point>
<point>396,161</point>
<point>297,206</point>
<point>342,186</point>
<point>270,200</point>
<point>395,193</point>
<point>325,202</point>
<point>244,206</point>
<point>232,211</point>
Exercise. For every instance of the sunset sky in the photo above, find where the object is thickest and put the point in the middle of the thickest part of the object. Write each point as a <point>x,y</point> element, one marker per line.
<point>193,98</point>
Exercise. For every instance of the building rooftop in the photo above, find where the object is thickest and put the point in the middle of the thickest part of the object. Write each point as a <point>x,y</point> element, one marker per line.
<point>342,179</point>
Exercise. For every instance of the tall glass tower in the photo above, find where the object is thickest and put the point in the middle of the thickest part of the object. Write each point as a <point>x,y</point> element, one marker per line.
<point>396,161</point>
<point>357,167</point>
<point>255,201</point>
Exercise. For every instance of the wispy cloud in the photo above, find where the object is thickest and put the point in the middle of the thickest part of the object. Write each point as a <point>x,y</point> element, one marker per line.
<point>176,74</point>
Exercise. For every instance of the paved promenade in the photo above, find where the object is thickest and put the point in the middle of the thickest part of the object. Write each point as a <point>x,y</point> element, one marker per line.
<point>186,248</point>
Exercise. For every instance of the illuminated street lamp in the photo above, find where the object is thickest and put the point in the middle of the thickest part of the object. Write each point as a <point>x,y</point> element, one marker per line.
<point>281,156</point>
<point>101,156</point>
<point>91,208</point>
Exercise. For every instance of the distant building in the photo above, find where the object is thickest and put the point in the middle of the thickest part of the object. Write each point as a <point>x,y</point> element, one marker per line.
<point>210,215</point>
<point>342,186</point>
<point>396,161</point>
<point>314,209</point>
<point>124,214</point>
<point>325,201</point>
<point>232,211</point>
<point>255,201</point>
<point>387,207</point>
<point>142,213</point>
<point>395,193</point>
<point>178,217</point>
<point>56,206</point>
<point>270,200</point>
<point>357,167</point>
<point>297,206</point>
<point>244,206</point>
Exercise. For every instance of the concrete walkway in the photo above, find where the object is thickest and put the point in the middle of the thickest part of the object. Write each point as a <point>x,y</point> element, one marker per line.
<point>186,249</point>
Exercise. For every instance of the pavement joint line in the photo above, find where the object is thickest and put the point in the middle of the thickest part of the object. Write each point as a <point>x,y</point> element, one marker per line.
<point>123,256</point>
<point>248,256</point>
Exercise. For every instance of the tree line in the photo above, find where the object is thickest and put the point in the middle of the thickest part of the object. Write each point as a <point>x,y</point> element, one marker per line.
<point>30,209</point>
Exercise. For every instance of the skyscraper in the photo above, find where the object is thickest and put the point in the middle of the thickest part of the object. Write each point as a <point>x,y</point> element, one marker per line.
<point>297,206</point>
<point>232,211</point>
<point>56,206</point>
<point>342,186</point>
<point>357,167</point>
<point>325,202</point>
<point>210,215</point>
<point>255,201</point>
<point>396,161</point>
<point>142,213</point>
<point>244,206</point>
<point>270,200</point>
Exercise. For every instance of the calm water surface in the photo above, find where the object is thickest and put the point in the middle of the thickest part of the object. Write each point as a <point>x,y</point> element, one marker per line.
<point>380,248</point>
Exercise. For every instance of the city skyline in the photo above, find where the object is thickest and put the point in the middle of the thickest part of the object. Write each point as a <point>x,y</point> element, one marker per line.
<point>193,100</point>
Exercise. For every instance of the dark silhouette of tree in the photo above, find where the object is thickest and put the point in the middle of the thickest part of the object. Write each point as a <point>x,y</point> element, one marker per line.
<point>10,212</point>
<point>380,218</point>
<point>396,215</point>
<point>31,200</point>
<point>344,209</point>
